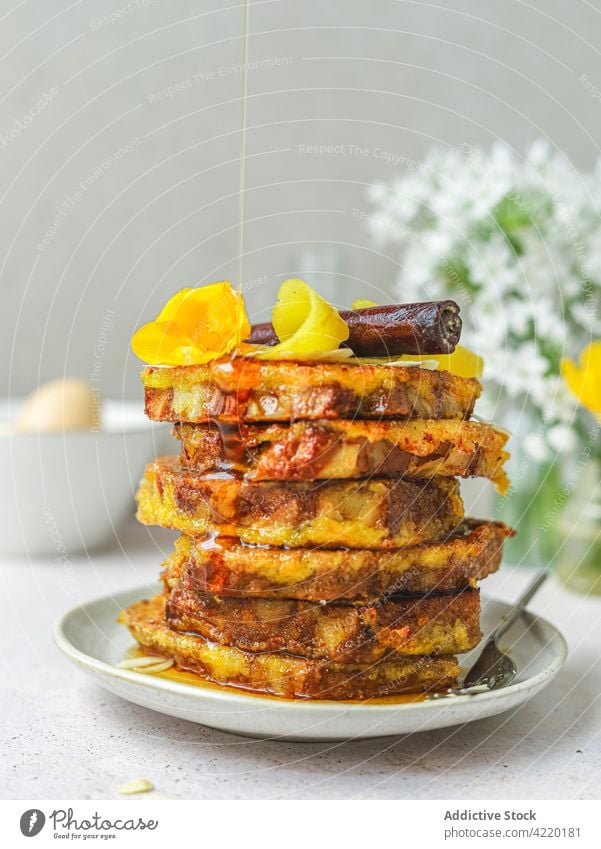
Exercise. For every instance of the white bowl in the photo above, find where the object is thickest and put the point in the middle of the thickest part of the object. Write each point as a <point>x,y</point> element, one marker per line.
<point>63,493</point>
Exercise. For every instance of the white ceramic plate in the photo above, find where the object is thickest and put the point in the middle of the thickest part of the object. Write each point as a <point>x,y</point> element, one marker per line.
<point>91,637</point>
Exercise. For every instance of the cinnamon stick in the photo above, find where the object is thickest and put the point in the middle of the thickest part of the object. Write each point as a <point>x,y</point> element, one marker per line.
<point>431,327</point>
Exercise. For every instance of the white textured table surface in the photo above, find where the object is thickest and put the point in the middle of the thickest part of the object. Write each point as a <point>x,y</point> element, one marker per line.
<point>64,737</point>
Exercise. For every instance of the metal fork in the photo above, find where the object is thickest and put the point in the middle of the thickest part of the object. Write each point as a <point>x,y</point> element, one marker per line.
<point>494,668</point>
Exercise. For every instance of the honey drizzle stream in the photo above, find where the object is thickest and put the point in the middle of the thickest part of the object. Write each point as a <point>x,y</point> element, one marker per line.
<point>243,116</point>
<point>232,447</point>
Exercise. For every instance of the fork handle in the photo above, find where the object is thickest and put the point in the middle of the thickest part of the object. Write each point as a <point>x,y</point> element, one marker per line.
<point>520,605</point>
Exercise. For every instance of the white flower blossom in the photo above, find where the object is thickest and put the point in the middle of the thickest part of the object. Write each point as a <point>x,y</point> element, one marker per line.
<point>517,242</point>
<point>561,438</point>
<point>536,447</point>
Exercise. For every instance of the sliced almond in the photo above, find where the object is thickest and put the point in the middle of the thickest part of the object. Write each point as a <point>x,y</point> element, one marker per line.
<point>138,785</point>
<point>147,660</point>
<point>157,667</point>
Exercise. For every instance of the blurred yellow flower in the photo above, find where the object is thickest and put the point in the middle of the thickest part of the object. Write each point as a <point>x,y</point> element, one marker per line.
<point>305,324</point>
<point>195,326</point>
<point>584,379</point>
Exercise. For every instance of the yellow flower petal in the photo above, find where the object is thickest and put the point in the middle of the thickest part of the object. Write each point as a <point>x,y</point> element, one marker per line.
<point>172,306</point>
<point>584,379</point>
<point>462,362</point>
<point>304,322</point>
<point>363,304</point>
<point>195,326</point>
<point>338,355</point>
<point>158,343</point>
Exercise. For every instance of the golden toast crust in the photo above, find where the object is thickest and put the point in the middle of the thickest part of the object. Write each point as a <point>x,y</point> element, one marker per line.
<point>341,449</point>
<point>355,514</point>
<point>280,674</point>
<point>254,391</point>
<point>224,566</point>
<point>427,625</point>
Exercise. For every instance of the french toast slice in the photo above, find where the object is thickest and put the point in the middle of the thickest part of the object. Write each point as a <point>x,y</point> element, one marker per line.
<point>224,566</point>
<point>245,389</point>
<point>354,514</point>
<point>345,633</point>
<point>280,674</point>
<point>341,449</point>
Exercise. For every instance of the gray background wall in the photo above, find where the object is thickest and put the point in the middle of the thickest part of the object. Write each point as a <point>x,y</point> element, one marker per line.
<point>122,186</point>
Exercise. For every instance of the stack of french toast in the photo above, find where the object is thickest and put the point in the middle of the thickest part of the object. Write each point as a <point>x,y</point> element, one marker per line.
<point>324,551</point>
